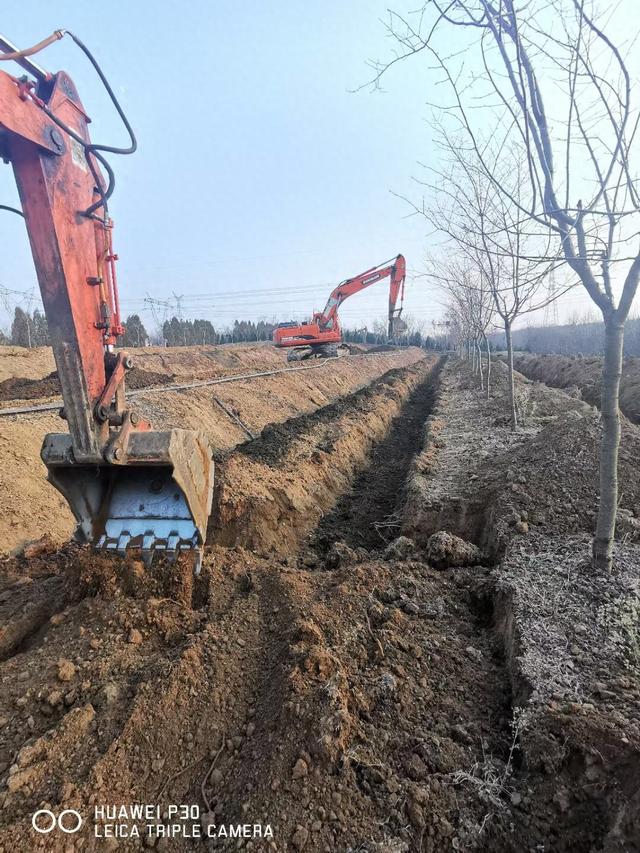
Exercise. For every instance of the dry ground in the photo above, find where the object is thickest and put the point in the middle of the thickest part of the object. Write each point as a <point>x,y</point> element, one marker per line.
<point>322,676</point>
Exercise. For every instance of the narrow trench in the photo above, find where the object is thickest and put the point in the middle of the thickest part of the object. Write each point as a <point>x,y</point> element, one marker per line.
<point>369,515</point>
<point>474,701</point>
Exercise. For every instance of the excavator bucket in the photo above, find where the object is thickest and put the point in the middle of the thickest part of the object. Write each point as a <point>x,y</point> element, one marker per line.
<point>398,326</point>
<point>157,499</point>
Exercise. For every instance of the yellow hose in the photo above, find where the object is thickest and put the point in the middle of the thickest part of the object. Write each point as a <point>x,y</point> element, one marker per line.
<point>29,51</point>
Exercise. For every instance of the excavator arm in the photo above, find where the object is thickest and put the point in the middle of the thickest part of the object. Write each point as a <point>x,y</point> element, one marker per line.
<point>396,271</point>
<point>323,331</point>
<point>126,485</point>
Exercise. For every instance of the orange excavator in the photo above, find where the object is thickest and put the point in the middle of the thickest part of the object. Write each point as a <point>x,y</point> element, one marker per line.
<point>322,336</point>
<point>128,486</point>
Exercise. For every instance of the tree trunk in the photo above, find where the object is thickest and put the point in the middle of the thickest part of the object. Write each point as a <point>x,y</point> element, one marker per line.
<point>512,396</point>
<point>488,348</point>
<point>609,444</point>
<point>480,369</point>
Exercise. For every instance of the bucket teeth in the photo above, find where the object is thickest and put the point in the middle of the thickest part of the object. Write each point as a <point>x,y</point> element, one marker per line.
<point>173,543</point>
<point>123,541</point>
<point>147,548</point>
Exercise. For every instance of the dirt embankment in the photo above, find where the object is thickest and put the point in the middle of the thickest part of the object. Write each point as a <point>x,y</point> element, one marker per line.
<point>172,363</point>
<point>29,374</point>
<point>344,692</point>
<point>33,507</point>
<point>25,363</point>
<point>582,376</point>
<point>275,489</point>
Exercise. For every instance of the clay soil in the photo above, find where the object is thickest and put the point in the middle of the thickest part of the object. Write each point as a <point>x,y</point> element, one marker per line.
<point>322,677</point>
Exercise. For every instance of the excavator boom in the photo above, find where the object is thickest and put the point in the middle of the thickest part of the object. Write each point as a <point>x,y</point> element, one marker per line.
<point>126,485</point>
<point>322,334</point>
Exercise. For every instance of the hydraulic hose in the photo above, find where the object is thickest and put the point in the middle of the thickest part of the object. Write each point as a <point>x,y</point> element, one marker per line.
<point>36,48</point>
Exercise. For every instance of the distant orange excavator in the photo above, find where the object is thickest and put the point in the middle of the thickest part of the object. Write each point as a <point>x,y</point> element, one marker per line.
<point>322,336</point>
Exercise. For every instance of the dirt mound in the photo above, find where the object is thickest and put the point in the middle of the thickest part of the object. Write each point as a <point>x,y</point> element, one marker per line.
<point>444,550</point>
<point>585,374</point>
<point>30,389</point>
<point>49,386</point>
<point>551,482</point>
<point>19,362</point>
<point>32,506</point>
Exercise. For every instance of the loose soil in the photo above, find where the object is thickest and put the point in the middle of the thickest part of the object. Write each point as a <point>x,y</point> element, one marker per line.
<point>343,690</point>
<point>26,363</point>
<point>369,515</point>
<point>582,376</point>
<point>34,389</point>
<point>33,507</point>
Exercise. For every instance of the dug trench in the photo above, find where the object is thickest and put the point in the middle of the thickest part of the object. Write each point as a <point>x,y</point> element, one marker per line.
<point>322,679</point>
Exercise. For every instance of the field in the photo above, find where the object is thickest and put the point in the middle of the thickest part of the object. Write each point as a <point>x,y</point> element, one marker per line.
<point>396,642</point>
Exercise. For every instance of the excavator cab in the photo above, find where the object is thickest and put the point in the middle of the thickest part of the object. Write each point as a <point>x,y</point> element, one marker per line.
<point>128,487</point>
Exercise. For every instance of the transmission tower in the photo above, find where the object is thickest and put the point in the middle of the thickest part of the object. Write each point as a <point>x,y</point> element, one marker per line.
<point>178,299</point>
<point>160,309</point>
<point>551,308</point>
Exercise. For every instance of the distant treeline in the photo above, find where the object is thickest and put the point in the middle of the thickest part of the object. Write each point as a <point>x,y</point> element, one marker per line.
<point>414,338</point>
<point>27,330</point>
<point>570,339</point>
<point>30,330</point>
<point>184,333</point>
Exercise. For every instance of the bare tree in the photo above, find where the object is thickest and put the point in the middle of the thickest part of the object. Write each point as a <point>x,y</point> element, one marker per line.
<point>557,85</point>
<point>471,307</point>
<point>509,252</point>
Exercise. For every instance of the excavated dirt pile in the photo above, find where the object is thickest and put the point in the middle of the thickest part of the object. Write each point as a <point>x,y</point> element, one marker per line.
<point>582,376</point>
<point>49,386</point>
<point>227,412</point>
<point>351,671</point>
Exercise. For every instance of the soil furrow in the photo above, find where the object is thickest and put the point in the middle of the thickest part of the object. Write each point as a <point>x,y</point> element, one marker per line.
<point>368,516</point>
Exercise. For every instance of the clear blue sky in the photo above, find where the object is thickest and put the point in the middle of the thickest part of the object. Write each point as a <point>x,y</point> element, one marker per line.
<point>257,168</point>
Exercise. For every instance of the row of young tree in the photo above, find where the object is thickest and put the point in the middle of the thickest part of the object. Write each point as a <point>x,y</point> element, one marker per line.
<point>536,134</point>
